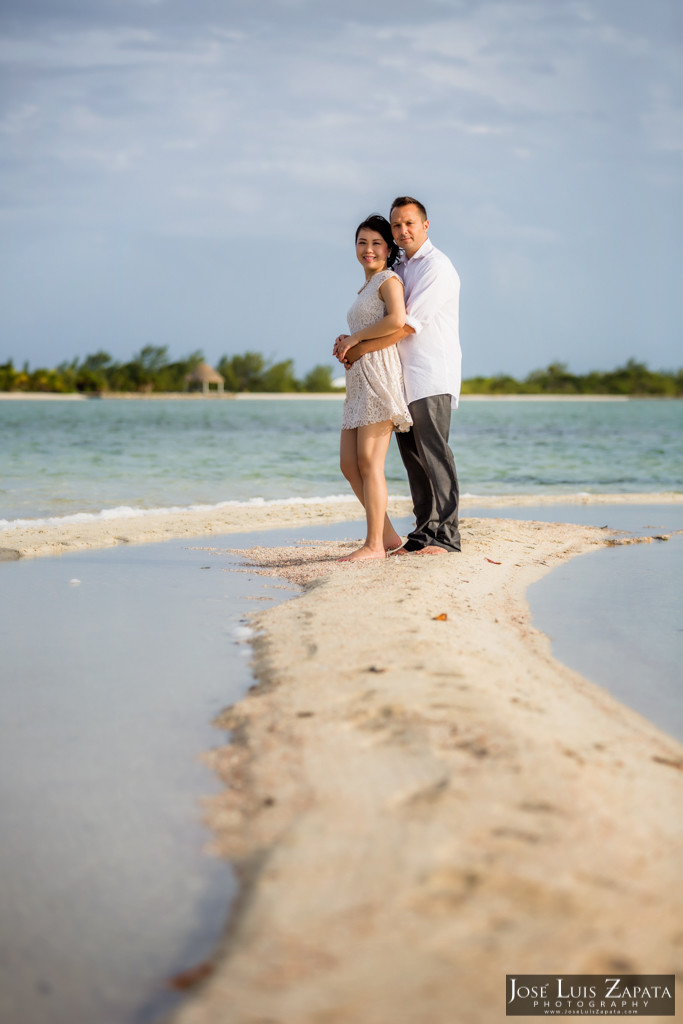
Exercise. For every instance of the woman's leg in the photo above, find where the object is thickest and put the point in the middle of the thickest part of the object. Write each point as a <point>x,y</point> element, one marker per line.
<point>348,461</point>
<point>372,444</point>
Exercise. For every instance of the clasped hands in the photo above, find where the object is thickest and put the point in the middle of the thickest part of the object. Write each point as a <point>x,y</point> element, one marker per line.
<point>343,349</point>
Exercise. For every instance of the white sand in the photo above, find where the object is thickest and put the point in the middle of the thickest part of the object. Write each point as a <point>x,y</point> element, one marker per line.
<point>33,538</point>
<point>420,799</point>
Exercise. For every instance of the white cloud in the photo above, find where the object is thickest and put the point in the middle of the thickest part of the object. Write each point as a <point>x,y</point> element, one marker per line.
<point>17,121</point>
<point>663,121</point>
<point>524,124</point>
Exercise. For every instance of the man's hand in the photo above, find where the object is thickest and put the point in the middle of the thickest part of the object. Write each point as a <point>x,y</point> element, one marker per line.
<point>354,353</point>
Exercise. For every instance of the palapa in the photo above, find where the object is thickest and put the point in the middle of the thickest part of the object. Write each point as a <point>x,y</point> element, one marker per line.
<point>204,375</point>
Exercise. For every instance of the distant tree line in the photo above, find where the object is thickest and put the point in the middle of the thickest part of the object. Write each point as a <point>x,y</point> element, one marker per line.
<point>152,371</point>
<point>633,378</point>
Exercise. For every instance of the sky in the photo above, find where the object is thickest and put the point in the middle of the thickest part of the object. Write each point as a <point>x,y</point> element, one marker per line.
<point>190,173</point>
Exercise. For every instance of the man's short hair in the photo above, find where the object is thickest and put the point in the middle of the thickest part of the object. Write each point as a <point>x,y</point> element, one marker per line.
<point>409,201</point>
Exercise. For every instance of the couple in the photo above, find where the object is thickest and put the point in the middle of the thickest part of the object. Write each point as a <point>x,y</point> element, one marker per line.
<point>403,373</point>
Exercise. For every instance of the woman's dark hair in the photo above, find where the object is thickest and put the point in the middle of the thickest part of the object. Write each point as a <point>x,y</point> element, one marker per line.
<point>376,222</point>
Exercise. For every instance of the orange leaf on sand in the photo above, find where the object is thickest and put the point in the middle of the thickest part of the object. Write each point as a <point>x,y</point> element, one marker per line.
<point>492,562</point>
<point>190,978</point>
<point>441,618</point>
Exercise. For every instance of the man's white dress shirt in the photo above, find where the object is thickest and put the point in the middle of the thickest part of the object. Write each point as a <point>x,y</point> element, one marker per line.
<point>431,358</point>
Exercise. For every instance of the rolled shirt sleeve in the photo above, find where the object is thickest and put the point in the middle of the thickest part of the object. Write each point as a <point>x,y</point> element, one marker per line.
<point>412,322</point>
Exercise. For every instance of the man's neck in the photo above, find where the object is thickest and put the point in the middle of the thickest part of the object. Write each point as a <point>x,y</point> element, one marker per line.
<point>409,255</point>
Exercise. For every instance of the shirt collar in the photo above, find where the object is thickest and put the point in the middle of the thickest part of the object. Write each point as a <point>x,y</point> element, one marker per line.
<point>424,250</point>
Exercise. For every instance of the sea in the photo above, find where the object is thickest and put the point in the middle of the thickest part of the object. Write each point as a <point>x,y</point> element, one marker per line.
<point>115,662</point>
<point>121,457</point>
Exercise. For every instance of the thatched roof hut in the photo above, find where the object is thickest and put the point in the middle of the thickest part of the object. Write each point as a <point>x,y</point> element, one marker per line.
<point>203,376</point>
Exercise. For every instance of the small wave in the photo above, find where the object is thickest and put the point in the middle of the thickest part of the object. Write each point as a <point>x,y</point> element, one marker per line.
<point>128,512</point>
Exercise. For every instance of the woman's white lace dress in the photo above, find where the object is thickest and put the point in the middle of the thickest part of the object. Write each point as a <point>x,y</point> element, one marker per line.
<point>374,383</point>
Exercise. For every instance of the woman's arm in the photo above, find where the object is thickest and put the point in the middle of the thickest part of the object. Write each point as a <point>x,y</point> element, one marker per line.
<point>391,293</point>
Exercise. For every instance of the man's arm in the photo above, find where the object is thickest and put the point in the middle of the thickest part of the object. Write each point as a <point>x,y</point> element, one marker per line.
<point>437,286</point>
<point>375,344</point>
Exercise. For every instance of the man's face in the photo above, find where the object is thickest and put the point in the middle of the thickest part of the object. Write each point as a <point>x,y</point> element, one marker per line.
<point>408,228</point>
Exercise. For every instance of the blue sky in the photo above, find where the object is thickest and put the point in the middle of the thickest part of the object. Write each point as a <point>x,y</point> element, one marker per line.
<point>191,174</point>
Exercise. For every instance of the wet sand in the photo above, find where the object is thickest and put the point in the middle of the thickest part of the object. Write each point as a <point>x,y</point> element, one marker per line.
<point>419,799</point>
<point>30,538</point>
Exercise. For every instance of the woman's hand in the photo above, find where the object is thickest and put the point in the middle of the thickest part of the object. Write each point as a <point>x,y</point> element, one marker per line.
<point>342,345</point>
<point>337,342</point>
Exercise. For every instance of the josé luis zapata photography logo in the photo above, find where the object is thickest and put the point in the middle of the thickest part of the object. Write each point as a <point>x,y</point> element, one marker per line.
<point>590,995</point>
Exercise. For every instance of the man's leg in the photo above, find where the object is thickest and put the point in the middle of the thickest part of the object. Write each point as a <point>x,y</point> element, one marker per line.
<point>431,428</point>
<point>424,506</point>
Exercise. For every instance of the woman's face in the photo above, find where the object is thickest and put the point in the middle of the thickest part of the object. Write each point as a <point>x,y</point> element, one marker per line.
<point>371,250</point>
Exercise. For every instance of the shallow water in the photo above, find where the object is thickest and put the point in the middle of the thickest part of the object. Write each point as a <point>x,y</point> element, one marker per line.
<point>616,615</point>
<point>61,458</point>
<point>108,690</point>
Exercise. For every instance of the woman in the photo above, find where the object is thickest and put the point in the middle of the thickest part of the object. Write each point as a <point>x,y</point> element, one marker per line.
<point>375,405</point>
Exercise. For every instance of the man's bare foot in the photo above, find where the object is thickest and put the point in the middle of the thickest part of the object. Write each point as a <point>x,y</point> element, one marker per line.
<point>363,553</point>
<point>432,549</point>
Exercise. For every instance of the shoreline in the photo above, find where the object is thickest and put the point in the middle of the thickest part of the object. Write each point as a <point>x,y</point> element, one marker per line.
<point>435,801</point>
<point>33,396</point>
<point>36,538</point>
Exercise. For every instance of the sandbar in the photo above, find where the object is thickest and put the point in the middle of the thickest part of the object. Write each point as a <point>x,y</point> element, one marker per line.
<point>420,799</point>
<point>31,538</point>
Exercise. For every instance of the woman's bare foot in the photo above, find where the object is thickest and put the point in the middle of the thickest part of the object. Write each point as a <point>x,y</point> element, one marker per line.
<point>362,553</point>
<point>392,542</point>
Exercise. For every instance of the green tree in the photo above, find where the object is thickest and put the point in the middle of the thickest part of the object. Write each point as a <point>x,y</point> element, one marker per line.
<point>45,380</point>
<point>279,377</point>
<point>8,376</point>
<point>143,370</point>
<point>243,373</point>
<point>152,359</point>
<point>98,362</point>
<point>92,374</point>
<point>319,379</point>
<point>171,377</point>
<point>148,365</point>
<point>556,379</point>
<point>634,378</point>
<point>67,374</point>
<point>226,369</point>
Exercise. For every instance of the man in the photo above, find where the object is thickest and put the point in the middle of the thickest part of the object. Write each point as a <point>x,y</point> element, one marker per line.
<point>431,358</point>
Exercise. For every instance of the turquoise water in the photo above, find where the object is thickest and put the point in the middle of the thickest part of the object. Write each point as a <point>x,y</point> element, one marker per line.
<point>62,458</point>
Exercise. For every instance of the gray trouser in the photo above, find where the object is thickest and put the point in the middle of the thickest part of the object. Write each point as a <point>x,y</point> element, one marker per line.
<point>431,474</point>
